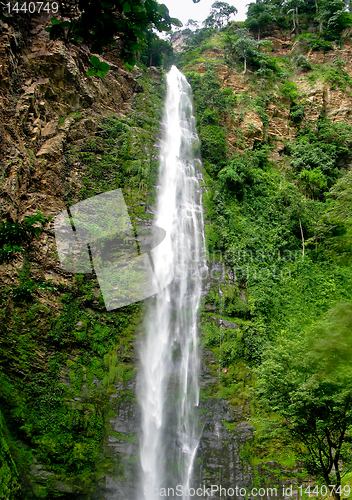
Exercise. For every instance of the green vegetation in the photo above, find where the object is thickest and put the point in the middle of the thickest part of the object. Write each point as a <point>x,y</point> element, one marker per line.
<point>244,46</point>
<point>99,22</point>
<point>329,17</point>
<point>212,104</point>
<point>62,355</point>
<point>9,477</point>
<point>260,16</point>
<point>122,153</point>
<point>282,230</point>
<point>306,379</point>
<point>125,24</point>
<point>156,51</point>
<point>220,14</point>
<point>240,45</point>
<point>15,237</point>
<point>59,374</point>
<point>98,68</point>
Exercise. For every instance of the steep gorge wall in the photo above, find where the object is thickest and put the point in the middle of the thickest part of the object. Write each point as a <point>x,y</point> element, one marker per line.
<point>64,137</point>
<point>43,83</point>
<point>317,94</point>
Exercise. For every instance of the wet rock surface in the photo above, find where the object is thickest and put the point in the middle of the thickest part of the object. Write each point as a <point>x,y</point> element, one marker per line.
<point>217,460</point>
<point>123,446</point>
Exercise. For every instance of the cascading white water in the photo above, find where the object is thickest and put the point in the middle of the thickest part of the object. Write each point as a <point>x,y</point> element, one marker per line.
<point>168,389</point>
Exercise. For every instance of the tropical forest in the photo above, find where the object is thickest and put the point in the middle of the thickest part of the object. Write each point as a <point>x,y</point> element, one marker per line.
<point>216,361</point>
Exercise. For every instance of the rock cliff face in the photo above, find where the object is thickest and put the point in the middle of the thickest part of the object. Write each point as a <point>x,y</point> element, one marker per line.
<point>52,145</point>
<point>48,104</point>
<point>317,94</point>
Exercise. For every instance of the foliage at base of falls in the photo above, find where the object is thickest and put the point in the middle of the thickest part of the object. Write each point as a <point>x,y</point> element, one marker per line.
<point>9,477</point>
<point>62,370</point>
<point>280,227</point>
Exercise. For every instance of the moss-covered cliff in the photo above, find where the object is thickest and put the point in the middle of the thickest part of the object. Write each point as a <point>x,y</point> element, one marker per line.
<point>65,137</point>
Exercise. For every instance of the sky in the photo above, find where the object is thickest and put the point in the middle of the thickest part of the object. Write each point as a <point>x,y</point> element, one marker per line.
<point>186,9</point>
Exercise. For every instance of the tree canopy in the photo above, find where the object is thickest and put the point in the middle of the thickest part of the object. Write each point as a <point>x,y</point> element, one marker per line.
<point>155,50</point>
<point>219,15</point>
<point>329,17</point>
<point>260,16</point>
<point>307,379</point>
<point>99,23</point>
<point>245,46</point>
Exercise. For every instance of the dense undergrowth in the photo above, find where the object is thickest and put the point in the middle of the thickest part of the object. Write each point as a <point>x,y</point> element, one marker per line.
<point>62,355</point>
<point>280,224</point>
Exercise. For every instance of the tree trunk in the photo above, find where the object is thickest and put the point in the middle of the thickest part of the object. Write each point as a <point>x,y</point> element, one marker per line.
<point>336,495</point>
<point>62,10</point>
<point>245,66</point>
<point>300,225</point>
<point>258,34</point>
<point>320,25</point>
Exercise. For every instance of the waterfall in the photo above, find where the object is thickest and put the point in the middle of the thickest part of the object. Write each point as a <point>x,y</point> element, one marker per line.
<point>168,387</point>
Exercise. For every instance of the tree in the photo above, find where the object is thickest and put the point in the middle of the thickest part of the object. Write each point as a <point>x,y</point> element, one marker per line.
<point>294,13</point>
<point>333,18</point>
<point>341,193</point>
<point>307,380</point>
<point>292,7</point>
<point>155,50</point>
<point>241,44</point>
<point>313,181</point>
<point>259,16</point>
<point>191,23</point>
<point>219,15</point>
<point>244,46</point>
<point>102,23</point>
<point>336,223</point>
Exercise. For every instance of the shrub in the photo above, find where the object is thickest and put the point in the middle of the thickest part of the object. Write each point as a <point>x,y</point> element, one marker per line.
<point>14,236</point>
<point>303,63</point>
<point>24,291</point>
<point>210,117</point>
<point>213,144</point>
<point>338,78</point>
<point>289,89</point>
<point>319,44</point>
<point>297,113</point>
